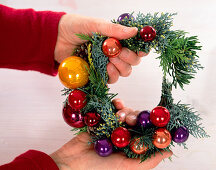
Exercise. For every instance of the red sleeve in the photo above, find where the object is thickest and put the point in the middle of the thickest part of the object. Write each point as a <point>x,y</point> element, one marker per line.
<point>31,160</point>
<point>28,39</point>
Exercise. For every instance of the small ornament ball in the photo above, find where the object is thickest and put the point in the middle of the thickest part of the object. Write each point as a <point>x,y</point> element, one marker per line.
<point>92,119</point>
<point>136,148</point>
<point>148,33</point>
<point>73,72</point>
<point>120,137</point>
<point>180,134</point>
<point>77,99</point>
<point>72,117</point>
<point>111,47</point>
<point>125,15</point>
<point>160,116</point>
<point>103,147</point>
<point>161,138</point>
<point>143,119</point>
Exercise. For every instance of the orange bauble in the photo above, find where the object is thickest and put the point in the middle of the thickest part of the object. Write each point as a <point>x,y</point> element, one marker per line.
<point>136,148</point>
<point>161,138</point>
<point>73,72</point>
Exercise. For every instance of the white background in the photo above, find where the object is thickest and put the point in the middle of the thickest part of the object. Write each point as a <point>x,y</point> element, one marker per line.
<point>31,103</point>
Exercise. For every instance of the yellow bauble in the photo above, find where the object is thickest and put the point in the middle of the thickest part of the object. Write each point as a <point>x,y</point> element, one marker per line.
<point>73,72</point>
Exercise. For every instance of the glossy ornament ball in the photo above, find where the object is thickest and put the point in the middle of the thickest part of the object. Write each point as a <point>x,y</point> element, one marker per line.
<point>143,119</point>
<point>103,147</point>
<point>73,72</point>
<point>136,148</point>
<point>111,47</point>
<point>120,137</point>
<point>125,15</point>
<point>148,33</point>
<point>160,116</point>
<point>92,119</point>
<point>161,138</point>
<point>180,134</point>
<point>77,99</point>
<point>72,117</point>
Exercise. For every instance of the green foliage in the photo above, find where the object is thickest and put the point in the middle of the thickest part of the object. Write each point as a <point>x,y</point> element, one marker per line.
<point>160,23</point>
<point>79,130</point>
<point>84,37</point>
<point>179,58</point>
<point>178,54</point>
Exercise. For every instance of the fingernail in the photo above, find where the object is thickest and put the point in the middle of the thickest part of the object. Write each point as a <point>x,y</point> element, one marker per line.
<point>132,117</point>
<point>129,29</point>
<point>121,115</point>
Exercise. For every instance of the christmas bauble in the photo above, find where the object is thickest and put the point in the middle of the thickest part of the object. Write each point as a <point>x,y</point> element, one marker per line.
<point>111,47</point>
<point>180,134</point>
<point>143,119</point>
<point>136,148</point>
<point>148,33</point>
<point>120,137</point>
<point>103,147</point>
<point>72,117</point>
<point>161,138</point>
<point>73,72</point>
<point>77,99</point>
<point>125,15</point>
<point>92,119</point>
<point>160,116</point>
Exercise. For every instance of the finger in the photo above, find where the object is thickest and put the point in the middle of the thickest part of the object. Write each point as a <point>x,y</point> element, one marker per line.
<point>131,118</point>
<point>116,30</point>
<point>155,160</point>
<point>123,113</point>
<point>113,73</point>
<point>148,163</point>
<point>129,57</point>
<point>142,54</point>
<point>124,68</point>
<point>118,103</point>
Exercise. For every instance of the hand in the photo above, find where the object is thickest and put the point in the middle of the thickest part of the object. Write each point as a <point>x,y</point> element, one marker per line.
<point>67,41</point>
<point>78,155</point>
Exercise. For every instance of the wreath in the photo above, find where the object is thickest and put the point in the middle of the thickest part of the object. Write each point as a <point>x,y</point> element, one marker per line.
<point>88,106</point>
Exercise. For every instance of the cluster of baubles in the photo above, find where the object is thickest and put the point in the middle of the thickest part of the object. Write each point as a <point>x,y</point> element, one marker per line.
<point>73,73</point>
<point>159,117</point>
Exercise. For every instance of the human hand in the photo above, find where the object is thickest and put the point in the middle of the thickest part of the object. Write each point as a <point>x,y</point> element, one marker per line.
<point>78,154</point>
<point>67,41</point>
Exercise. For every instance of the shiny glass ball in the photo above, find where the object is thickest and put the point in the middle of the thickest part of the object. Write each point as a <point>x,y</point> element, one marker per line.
<point>111,47</point>
<point>120,137</point>
<point>73,72</point>
<point>160,116</point>
<point>161,138</point>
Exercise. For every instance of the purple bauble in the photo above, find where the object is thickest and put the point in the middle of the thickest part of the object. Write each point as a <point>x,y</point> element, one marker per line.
<point>180,134</point>
<point>125,15</point>
<point>103,147</point>
<point>143,119</point>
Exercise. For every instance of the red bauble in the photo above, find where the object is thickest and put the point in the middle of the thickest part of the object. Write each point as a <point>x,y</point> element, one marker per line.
<point>136,148</point>
<point>72,117</point>
<point>160,116</point>
<point>161,138</point>
<point>77,99</point>
<point>148,33</point>
<point>111,47</point>
<point>120,137</point>
<point>92,119</point>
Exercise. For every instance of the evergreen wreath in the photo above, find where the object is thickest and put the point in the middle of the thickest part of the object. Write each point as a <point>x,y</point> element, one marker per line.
<point>88,106</point>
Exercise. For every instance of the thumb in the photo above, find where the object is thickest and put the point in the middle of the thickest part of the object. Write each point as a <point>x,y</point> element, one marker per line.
<point>116,30</point>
